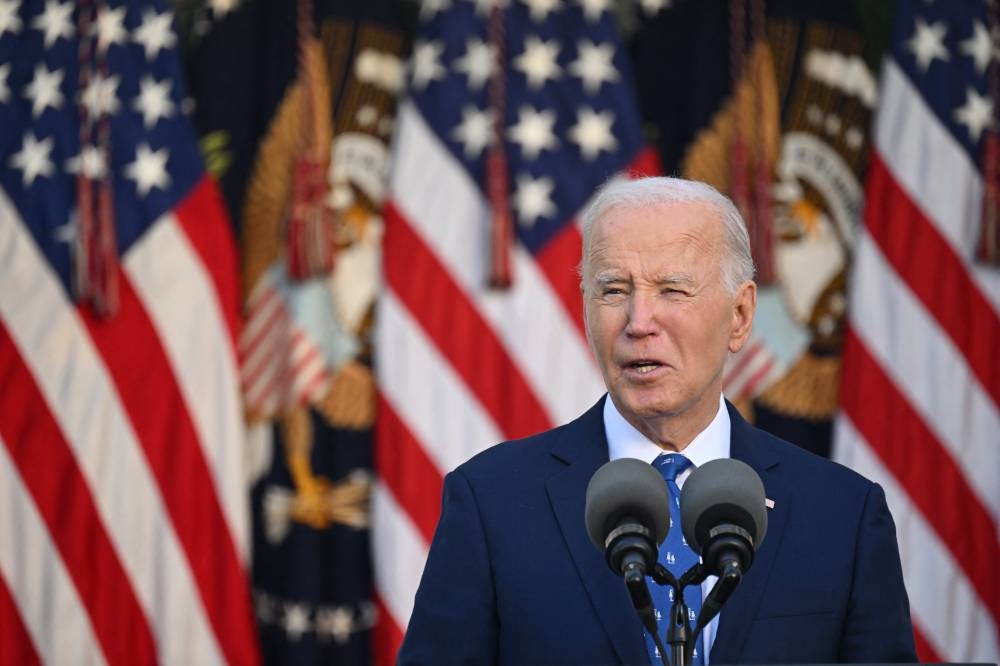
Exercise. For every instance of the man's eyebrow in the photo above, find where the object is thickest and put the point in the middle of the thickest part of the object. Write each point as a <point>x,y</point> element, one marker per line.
<point>676,278</point>
<point>609,278</point>
<point>670,279</point>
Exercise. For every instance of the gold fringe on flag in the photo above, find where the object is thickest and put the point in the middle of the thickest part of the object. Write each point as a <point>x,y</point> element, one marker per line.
<point>708,157</point>
<point>270,186</point>
<point>809,390</point>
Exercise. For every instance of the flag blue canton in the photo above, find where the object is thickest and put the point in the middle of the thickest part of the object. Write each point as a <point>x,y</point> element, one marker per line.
<point>571,119</point>
<point>945,48</point>
<point>154,159</point>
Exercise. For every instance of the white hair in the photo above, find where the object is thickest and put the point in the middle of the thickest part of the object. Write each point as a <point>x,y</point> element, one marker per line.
<point>737,265</point>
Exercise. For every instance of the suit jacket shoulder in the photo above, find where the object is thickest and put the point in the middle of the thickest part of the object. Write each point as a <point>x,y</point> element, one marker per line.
<point>581,437</point>
<point>826,583</point>
<point>511,576</point>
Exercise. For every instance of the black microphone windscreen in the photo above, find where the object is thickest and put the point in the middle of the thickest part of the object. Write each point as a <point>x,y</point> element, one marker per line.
<point>719,492</point>
<point>626,487</point>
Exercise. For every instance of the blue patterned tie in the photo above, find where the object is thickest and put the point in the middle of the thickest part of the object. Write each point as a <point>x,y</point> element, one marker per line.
<point>676,556</point>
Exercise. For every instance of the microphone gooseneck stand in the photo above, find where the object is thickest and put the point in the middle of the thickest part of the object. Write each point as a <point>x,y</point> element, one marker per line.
<point>681,637</point>
<point>629,548</point>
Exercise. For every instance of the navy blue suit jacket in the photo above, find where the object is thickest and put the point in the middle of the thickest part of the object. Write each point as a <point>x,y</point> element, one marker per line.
<point>513,578</point>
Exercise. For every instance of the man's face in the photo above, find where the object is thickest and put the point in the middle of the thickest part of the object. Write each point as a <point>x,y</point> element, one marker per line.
<point>658,315</point>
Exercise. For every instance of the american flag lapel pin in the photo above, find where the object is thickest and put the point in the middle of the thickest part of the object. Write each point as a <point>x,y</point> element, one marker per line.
<point>769,503</point>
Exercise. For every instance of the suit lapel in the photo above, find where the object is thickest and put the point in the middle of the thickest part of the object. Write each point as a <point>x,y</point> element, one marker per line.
<point>583,448</point>
<point>737,614</point>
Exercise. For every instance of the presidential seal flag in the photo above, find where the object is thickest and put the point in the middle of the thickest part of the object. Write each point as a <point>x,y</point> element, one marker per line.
<point>123,523</point>
<point>920,396</point>
<point>777,116</point>
<point>295,107</point>
<point>516,112</point>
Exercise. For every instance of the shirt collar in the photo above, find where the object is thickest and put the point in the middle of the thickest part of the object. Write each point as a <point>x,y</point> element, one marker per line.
<point>624,441</point>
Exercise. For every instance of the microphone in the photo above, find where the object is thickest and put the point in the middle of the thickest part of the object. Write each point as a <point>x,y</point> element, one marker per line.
<point>724,517</point>
<point>627,513</point>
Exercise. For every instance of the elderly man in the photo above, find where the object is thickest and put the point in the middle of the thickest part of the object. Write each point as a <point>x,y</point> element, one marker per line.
<point>667,282</point>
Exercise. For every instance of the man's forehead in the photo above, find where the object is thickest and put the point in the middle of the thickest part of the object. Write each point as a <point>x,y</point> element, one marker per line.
<point>654,237</point>
<point>694,220</point>
<point>664,242</point>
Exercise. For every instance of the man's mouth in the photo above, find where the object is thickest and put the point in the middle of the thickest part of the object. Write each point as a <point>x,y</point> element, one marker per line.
<point>643,366</point>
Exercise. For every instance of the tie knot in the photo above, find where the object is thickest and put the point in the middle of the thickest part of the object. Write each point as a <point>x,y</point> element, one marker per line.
<point>670,465</point>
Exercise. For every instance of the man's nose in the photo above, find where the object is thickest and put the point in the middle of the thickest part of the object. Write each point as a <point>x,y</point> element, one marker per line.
<point>641,315</point>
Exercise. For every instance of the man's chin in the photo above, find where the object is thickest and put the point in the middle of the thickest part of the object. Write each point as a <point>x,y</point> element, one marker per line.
<point>646,408</point>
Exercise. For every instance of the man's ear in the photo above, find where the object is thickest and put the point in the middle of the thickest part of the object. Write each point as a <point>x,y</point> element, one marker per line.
<point>744,306</point>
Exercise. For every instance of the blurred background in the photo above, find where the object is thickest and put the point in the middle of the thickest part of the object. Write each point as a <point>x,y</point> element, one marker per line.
<point>269,269</point>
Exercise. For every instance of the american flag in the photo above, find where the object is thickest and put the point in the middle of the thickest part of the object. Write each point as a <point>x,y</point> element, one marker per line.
<point>123,526</point>
<point>921,377</point>
<point>461,366</point>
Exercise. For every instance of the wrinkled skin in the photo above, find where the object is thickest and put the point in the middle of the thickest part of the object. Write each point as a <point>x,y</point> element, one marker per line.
<point>659,317</point>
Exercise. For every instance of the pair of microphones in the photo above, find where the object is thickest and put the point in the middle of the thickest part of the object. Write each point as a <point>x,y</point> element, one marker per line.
<point>723,519</point>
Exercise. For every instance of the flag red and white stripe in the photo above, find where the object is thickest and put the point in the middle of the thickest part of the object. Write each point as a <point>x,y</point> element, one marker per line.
<point>921,378</point>
<point>460,367</point>
<point>123,505</point>
<point>282,365</point>
<point>751,370</point>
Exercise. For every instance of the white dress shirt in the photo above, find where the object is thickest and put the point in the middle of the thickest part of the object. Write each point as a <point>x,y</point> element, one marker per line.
<point>624,441</point>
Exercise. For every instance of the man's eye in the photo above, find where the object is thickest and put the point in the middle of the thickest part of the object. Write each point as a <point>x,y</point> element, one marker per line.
<point>613,291</point>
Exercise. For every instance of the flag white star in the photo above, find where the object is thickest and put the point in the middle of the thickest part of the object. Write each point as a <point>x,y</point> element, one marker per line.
<point>538,61</point>
<point>534,131</point>
<point>154,101</point>
<point>976,114</point>
<point>979,46</point>
<point>100,96</point>
<point>483,7</point>
<point>478,62</point>
<point>592,9</point>
<point>475,131</point>
<point>91,161</point>
<point>592,132</point>
<point>336,622</point>
<point>110,27</point>
<point>9,20</point>
<point>33,159</point>
<point>533,199</point>
<point>55,21</point>
<point>66,233</point>
<point>927,43</point>
<point>222,7</point>
<point>426,63</point>
<point>366,116</point>
<point>429,8</point>
<point>593,65</point>
<point>155,33</point>
<point>149,169</point>
<point>43,91</point>
<point>540,9</point>
<point>653,7</point>
<point>296,621</point>
<point>854,138</point>
<point>4,89</point>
